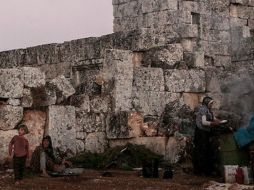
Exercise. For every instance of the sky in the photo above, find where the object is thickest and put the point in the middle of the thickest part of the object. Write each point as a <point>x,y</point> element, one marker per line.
<point>26,23</point>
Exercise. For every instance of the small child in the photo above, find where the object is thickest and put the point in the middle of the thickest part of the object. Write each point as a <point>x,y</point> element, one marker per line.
<point>19,149</point>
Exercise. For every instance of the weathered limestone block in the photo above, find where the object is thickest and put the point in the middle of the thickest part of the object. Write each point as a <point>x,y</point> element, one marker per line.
<point>123,125</point>
<point>155,19</point>
<point>185,80</point>
<point>148,102</point>
<point>222,61</point>
<point>137,59</point>
<point>53,70</point>
<point>251,23</point>
<point>62,128</point>
<point>188,44</point>
<point>6,137</point>
<point>81,102</point>
<point>90,122</point>
<point>100,104</point>
<point>174,148</point>
<point>192,99</point>
<point>36,122</point>
<point>165,58</point>
<point>85,80</point>
<point>63,86</point>
<point>13,102</point>
<point>129,9</point>
<point>157,36</point>
<point>155,144</point>
<point>240,11</point>
<point>42,96</point>
<point>199,59</point>
<point>11,85</point>
<point>158,5</point>
<point>188,31</point>
<point>148,79</point>
<point>242,2</point>
<point>10,116</point>
<point>219,22</point>
<point>238,22</point>
<point>135,122</point>
<point>27,99</point>
<point>96,142</point>
<point>118,76</point>
<point>33,77</point>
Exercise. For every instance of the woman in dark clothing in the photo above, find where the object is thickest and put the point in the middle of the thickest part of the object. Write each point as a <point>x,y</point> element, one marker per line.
<point>204,153</point>
<point>44,159</point>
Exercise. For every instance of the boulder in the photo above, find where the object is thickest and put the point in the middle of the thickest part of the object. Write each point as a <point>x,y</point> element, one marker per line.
<point>10,116</point>
<point>33,77</point>
<point>11,85</point>
<point>62,128</point>
<point>96,142</point>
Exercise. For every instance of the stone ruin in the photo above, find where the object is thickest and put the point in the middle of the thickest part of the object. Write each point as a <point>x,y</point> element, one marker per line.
<point>94,93</point>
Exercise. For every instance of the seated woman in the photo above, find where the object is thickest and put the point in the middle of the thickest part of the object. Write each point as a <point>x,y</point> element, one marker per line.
<point>44,159</point>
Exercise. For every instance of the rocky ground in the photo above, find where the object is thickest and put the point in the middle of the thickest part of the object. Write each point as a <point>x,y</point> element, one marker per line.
<point>92,179</point>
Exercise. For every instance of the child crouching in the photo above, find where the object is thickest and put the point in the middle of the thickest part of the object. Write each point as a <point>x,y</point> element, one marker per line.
<point>19,150</point>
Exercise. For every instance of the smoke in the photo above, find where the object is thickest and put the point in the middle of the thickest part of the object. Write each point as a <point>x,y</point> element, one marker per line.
<point>238,90</point>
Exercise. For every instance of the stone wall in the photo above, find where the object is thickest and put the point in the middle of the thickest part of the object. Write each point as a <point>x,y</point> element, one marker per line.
<point>137,85</point>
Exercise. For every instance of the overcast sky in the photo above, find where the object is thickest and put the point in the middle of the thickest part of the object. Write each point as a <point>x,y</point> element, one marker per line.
<point>25,23</point>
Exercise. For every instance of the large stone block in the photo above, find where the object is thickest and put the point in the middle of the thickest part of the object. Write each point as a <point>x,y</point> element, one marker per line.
<point>6,137</point>
<point>129,9</point>
<point>10,116</point>
<point>188,31</point>
<point>100,104</point>
<point>148,102</point>
<point>155,144</point>
<point>192,99</point>
<point>96,142</point>
<point>174,149</point>
<point>62,128</point>
<point>11,85</point>
<point>158,5</point>
<point>33,77</point>
<point>166,57</point>
<point>42,96</point>
<point>148,79</point>
<point>118,76</point>
<point>63,86</point>
<point>90,122</point>
<point>123,125</point>
<point>27,99</point>
<point>155,19</point>
<point>35,121</point>
<point>185,80</point>
<point>81,102</point>
<point>53,70</point>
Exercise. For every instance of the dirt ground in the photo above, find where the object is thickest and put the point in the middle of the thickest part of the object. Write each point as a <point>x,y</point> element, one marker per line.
<point>92,179</point>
